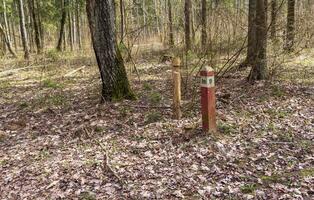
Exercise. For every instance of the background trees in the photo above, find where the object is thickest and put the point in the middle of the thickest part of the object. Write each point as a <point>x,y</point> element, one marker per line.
<point>222,27</point>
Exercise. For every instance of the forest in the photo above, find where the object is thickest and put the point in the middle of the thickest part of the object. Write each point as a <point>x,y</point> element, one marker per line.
<point>157,99</point>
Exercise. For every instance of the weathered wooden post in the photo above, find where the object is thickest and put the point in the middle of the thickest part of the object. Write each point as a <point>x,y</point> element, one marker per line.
<point>208,99</point>
<point>176,75</point>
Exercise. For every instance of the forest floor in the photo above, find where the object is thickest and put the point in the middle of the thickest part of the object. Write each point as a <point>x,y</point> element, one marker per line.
<point>58,142</point>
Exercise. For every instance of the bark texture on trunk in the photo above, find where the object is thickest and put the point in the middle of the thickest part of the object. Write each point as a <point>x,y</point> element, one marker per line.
<point>251,33</point>
<point>259,64</point>
<point>171,38</point>
<point>23,29</point>
<point>274,10</point>
<point>187,14</point>
<point>62,24</point>
<point>290,25</point>
<point>6,41</point>
<point>204,24</point>
<point>101,16</point>
<point>36,27</point>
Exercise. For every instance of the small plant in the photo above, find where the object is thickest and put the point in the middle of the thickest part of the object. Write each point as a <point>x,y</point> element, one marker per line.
<point>155,98</point>
<point>277,91</point>
<point>53,54</point>
<point>24,105</point>
<point>2,136</point>
<point>270,179</point>
<point>98,129</point>
<point>152,117</point>
<point>87,196</point>
<point>225,128</point>
<point>124,111</point>
<point>248,188</point>
<point>50,84</point>
<point>147,87</point>
<point>307,172</point>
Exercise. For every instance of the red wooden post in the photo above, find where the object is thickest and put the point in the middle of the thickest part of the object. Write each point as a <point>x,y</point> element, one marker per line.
<point>208,99</point>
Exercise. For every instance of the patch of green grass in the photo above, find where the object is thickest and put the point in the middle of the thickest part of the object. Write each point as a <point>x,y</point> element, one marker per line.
<point>92,162</point>
<point>286,136</point>
<point>226,128</point>
<point>51,84</point>
<point>53,54</point>
<point>137,137</point>
<point>155,98</point>
<point>309,172</point>
<point>271,179</point>
<point>4,84</point>
<point>248,188</point>
<point>2,137</point>
<point>124,111</point>
<point>152,117</point>
<point>87,196</point>
<point>23,105</point>
<point>43,154</point>
<point>147,87</point>
<point>98,129</point>
<point>50,100</point>
<point>3,162</point>
<point>277,91</point>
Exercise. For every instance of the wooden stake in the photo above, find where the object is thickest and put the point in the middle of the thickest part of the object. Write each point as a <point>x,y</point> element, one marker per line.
<point>176,75</point>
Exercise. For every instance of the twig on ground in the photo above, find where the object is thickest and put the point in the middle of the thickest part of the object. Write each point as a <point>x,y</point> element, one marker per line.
<point>107,166</point>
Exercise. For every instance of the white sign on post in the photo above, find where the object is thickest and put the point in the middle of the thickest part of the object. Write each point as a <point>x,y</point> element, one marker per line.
<point>208,81</point>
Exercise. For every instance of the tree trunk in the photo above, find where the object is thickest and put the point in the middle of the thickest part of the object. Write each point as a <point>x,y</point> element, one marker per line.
<point>122,20</point>
<point>290,25</point>
<point>5,18</point>
<point>40,26</point>
<point>274,10</point>
<point>78,24</point>
<point>62,24</point>
<point>36,27</point>
<point>6,41</point>
<point>204,24</point>
<point>70,31</point>
<point>23,29</point>
<point>251,47</point>
<point>259,65</point>
<point>187,14</point>
<point>171,39</point>
<point>115,84</point>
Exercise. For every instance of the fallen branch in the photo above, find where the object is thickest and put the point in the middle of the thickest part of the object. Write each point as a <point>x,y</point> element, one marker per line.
<point>13,71</point>
<point>74,71</point>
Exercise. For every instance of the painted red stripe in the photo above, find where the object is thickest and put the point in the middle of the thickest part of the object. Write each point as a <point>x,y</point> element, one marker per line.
<point>205,73</point>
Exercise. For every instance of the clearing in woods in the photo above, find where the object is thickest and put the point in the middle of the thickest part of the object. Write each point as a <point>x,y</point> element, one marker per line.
<point>57,141</point>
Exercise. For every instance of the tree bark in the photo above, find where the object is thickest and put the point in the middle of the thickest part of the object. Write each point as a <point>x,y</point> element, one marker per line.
<point>6,41</point>
<point>273,29</point>
<point>259,64</point>
<point>36,27</point>
<point>251,47</point>
<point>290,25</point>
<point>62,24</point>
<point>101,16</point>
<point>187,14</point>
<point>23,29</point>
<point>171,38</point>
<point>122,21</point>
<point>204,24</point>
<point>78,24</point>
